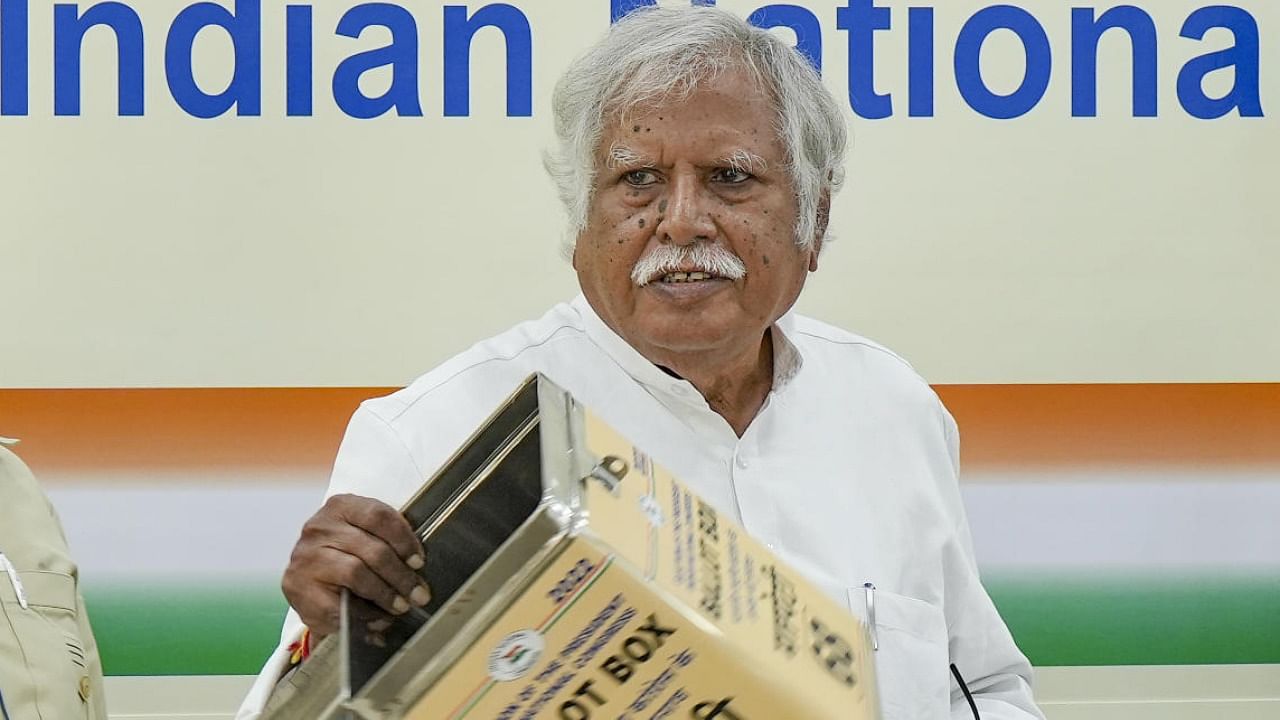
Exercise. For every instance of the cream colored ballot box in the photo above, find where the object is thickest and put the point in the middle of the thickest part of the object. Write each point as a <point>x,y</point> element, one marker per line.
<point>573,578</point>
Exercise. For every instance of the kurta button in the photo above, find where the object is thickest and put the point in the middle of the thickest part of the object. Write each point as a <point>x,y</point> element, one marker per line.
<point>84,687</point>
<point>742,462</point>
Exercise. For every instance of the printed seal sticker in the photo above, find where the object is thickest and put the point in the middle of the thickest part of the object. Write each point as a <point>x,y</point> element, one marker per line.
<point>516,655</point>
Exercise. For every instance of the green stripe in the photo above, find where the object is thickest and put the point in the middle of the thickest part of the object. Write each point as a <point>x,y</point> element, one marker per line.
<point>185,630</point>
<point>1142,621</point>
<point>1056,621</point>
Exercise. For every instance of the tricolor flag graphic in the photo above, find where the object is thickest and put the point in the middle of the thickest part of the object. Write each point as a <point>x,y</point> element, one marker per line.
<point>1115,524</point>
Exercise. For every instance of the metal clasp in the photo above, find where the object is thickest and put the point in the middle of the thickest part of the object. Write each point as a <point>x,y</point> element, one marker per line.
<point>610,471</point>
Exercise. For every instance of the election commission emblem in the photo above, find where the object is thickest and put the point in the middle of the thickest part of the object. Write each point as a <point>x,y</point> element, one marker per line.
<point>516,655</point>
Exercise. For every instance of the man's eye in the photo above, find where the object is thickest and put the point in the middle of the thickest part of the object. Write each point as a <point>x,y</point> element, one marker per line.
<point>639,178</point>
<point>732,176</point>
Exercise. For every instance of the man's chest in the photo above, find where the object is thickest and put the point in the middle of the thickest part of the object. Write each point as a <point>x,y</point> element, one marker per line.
<point>844,505</point>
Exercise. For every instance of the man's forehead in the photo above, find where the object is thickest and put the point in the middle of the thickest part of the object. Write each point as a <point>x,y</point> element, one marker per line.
<point>730,139</point>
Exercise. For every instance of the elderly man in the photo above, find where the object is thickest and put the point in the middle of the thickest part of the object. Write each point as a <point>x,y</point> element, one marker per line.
<point>697,160</point>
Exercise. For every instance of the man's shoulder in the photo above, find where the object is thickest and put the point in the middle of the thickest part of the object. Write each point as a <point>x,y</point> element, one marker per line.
<point>494,365</point>
<point>861,366</point>
<point>815,335</point>
<point>30,532</point>
<point>21,492</point>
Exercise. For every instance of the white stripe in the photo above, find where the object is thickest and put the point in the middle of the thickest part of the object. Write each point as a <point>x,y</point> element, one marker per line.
<point>187,527</point>
<point>1184,521</point>
<point>203,527</point>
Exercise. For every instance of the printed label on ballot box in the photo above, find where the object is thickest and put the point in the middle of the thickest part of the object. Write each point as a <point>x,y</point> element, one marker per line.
<point>660,608</point>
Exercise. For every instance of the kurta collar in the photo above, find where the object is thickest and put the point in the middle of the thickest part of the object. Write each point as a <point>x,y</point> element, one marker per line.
<point>786,356</point>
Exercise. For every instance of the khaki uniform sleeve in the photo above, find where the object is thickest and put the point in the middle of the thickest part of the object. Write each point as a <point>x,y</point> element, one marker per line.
<point>49,664</point>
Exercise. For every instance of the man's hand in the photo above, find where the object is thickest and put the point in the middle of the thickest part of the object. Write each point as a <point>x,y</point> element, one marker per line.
<point>360,544</point>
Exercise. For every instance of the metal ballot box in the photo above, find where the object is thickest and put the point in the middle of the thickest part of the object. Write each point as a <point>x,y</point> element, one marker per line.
<point>572,578</point>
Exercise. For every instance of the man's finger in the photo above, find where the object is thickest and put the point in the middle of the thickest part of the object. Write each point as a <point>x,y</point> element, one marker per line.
<point>385,522</point>
<point>384,561</point>
<point>343,570</point>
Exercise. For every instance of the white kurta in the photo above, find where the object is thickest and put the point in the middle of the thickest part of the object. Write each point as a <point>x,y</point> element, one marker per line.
<point>849,473</point>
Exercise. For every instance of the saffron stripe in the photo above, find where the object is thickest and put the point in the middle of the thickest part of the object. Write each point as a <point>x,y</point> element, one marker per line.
<point>80,432</point>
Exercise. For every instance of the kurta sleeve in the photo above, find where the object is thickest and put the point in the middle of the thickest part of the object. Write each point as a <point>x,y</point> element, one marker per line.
<point>997,674</point>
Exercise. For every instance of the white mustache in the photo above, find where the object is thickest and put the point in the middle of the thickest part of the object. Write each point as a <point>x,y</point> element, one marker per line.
<point>705,257</point>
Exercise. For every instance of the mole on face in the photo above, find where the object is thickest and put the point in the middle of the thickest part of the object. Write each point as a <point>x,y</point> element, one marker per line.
<point>641,223</point>
<point>662,206</point>
<point>765,260</point>
<point>635,128</point>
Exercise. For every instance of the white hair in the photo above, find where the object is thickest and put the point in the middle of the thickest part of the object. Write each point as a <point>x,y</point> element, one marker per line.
<point>657,54</point>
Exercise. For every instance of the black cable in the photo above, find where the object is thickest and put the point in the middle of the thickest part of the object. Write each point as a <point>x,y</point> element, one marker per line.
<point>965,689</point>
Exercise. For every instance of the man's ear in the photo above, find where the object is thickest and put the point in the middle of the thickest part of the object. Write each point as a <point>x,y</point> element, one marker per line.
<point>820,228</point>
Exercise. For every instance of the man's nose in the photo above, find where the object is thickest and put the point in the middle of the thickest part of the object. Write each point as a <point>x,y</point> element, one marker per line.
<point>687,216</point>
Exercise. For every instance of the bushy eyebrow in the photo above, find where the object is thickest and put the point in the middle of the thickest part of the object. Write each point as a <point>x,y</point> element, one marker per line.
<point>741,160</point>
<point>623,156</point>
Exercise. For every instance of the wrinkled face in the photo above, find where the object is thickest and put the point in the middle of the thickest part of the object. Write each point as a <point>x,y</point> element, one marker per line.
<point>693,199</point>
